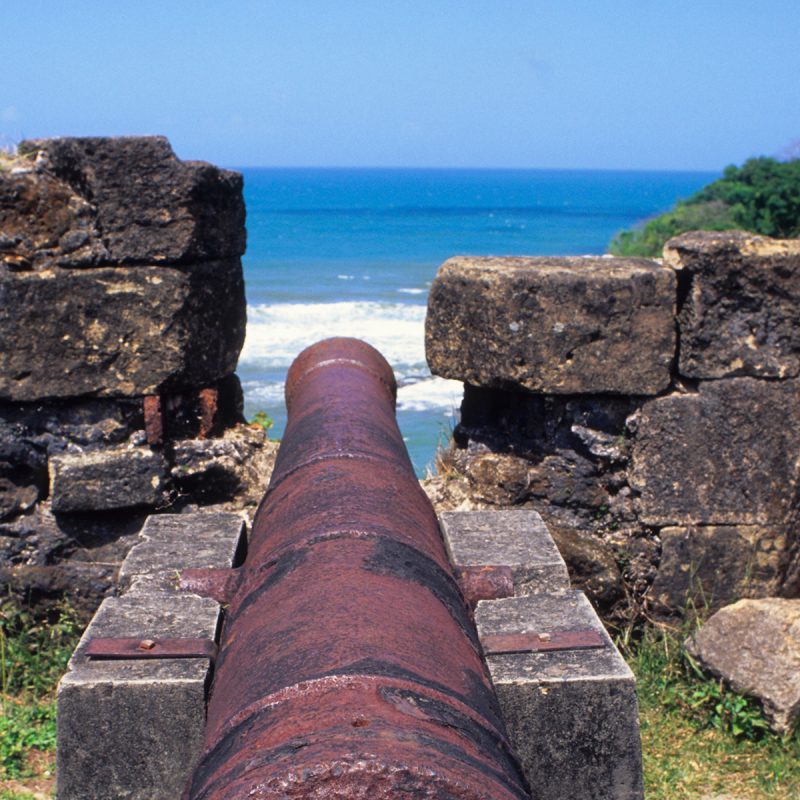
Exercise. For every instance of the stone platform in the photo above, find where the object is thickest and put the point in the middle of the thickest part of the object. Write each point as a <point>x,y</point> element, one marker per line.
<point>133,728</point>
<point>570,708</point>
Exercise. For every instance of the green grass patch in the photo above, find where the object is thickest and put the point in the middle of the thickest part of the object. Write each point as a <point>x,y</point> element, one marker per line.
<point>25,726</point>
<point>699,738</point>
<point>33,656</point>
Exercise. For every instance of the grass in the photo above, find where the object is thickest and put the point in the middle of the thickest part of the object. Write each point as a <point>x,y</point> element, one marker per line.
<point>700,740</point>
<point>9,157</point>
<point>33,655</point>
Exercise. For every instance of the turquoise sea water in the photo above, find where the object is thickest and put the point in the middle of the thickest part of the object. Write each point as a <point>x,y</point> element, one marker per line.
<point>352,252</point>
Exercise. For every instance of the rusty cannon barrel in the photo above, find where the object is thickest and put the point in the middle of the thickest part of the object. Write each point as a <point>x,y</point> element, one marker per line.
<point>349,666</point>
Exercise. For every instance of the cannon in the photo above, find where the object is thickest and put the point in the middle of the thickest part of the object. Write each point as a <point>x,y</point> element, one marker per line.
<point>349,666</point>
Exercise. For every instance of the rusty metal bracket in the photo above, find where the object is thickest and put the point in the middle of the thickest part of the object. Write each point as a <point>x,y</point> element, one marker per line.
<point>122,649</point>
<point>153,420</point>
<point>498,643</point>
<point>208,406</point>
<point>485,583</point>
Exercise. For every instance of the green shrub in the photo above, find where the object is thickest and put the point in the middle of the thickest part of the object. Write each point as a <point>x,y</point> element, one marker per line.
<point>762,196</point>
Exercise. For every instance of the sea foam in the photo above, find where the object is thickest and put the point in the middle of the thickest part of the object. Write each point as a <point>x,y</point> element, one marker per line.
<point>277,333</point>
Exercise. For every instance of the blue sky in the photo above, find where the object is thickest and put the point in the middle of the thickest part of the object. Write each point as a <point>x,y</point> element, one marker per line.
<point>667,84</point>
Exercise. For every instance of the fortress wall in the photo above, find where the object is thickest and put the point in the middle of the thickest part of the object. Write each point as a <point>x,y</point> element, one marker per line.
<point>648,410</point>
<point>122,314</point>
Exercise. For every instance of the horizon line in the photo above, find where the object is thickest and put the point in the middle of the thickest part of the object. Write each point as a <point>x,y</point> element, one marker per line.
<point>468,169</point>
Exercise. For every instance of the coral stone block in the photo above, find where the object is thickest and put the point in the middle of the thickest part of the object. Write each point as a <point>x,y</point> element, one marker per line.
<point>740,312</point>
<point>553,325</point>
<point>119,331</point>
<point>723,455</point>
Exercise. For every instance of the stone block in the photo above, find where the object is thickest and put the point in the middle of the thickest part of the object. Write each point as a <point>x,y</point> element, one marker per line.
<point>723,455</point>
<point>591,563</point>
<point>516,539</point>
<point>171,542</point>
<point>135,201</point>
<point>755,646</point>
<point>43,220</point>
<point>740,312</point>
<point>119,332</point>
<point>134,729</point>
<point>571,715</point>
<point>121,477</point>
<point>23,475</point>
<point>497,478</point>
<point>211,470</point>
<point>712,565</point>
<point>52,426</point>
<point>553,325</point>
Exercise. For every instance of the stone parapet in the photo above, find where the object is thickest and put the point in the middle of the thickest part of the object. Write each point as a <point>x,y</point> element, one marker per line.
<point>649,412</point>
<point>120,270</point>
<point>122,315</point>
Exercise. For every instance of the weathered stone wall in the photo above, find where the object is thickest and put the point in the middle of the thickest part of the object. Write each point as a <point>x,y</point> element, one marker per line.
<point>122,315</point>
<point>649,411</point>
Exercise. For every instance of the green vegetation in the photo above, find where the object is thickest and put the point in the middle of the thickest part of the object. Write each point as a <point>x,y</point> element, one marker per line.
<point>762,196</point>
<point>33,655</point>
<point>7,158</point>
<point>263,420</point>
<point>699,738</point>
<point>11,157</point>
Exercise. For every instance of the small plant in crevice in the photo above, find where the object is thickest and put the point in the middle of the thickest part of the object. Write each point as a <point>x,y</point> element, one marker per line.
<point>262,420</point>
<point>444,457</point>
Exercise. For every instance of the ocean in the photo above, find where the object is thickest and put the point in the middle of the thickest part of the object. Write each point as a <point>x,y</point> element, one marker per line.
<point>352,252</point>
